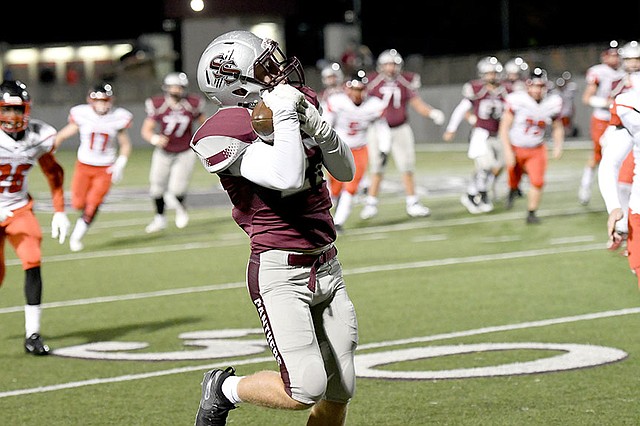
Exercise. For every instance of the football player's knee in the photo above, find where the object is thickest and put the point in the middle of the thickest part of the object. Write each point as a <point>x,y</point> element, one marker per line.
<point>537,183</point>
<point>313,382</point>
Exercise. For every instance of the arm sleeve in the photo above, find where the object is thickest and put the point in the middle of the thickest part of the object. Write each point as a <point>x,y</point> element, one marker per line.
<point>458,114</point>
<point>279,166</point>
<point>337,157</point>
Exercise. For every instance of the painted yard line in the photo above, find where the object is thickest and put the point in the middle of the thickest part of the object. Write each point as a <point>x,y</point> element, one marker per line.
<point>485,330</point>
<point>233,239</point>
<point>346,272</point>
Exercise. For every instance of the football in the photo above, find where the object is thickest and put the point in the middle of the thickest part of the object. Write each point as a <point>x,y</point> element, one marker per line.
<point>262,121</point>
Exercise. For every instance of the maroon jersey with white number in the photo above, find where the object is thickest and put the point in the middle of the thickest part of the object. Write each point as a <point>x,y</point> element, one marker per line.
<point>396,92</point>
<point>176,121</point>
<point>487,104</point>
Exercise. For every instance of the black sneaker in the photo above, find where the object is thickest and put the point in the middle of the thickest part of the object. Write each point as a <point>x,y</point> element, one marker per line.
<point>34,345</point>
<point>214,406</point>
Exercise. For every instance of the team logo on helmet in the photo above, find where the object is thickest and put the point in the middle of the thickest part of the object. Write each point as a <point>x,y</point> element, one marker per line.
<point>224,69</point>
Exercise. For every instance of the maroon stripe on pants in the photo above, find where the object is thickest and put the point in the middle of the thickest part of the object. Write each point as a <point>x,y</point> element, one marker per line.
<point>253,284</point>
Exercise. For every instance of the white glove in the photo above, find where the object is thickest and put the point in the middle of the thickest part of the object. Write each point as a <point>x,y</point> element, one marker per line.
<point>311,122</point>
<point>437,116</point>
<point>282,98</point>
<point>5,213</point>
<point>60,226</point>
<point>117,169</point>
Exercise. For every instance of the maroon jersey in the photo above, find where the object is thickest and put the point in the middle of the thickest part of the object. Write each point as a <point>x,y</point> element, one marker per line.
<point>176,122</point>
<point>273,219</point>
<point>396,92</point>
<point>487,104</point>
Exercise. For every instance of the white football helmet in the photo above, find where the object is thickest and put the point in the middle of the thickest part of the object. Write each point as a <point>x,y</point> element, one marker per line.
<point>175,84</point>
<point>488,65</point>
<point>390,56</point>
<point>516,69</point>
<point>332,75</point>
<point>630,50</point>
<point>236,66</point>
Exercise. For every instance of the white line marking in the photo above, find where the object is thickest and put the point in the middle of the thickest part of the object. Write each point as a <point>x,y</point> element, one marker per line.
<point>205,367</point>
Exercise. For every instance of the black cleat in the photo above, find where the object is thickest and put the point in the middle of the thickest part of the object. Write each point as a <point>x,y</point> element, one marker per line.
<point>34,345</point>
<point>214,406</point>
<point>511,198</point>
<point>532,219</point>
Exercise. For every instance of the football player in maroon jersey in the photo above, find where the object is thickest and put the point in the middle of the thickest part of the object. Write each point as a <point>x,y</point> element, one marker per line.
<point>171,120</point>
<point>281,200</point>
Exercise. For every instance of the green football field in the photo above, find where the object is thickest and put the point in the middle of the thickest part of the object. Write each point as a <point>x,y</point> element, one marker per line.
<point>463,319</point>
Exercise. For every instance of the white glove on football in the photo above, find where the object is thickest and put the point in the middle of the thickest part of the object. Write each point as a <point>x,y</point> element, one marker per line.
<point>311,122</point>
<point>117,169</point>
<point>5,213</point>
<point>60,226</point>
<point>282,98</point>
<point>437,116</point>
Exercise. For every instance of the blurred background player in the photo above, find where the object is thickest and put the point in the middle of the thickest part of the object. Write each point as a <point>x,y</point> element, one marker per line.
<point>169,126</point>
<point>567,89</point>
<point>625,108</point>
<point>399,90</point>
<point>332,80</point>
<point>351,112</point>
<point>597,94</point>
<point>25,142</point>
<point>103,153</point>
<point>524,123</point>
<point>616,134</point>
<point>516,72</point>
<point>483,100</point>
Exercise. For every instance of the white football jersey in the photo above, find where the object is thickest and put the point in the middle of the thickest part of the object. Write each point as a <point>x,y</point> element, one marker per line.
<point>17,159</point>
<point>530,118</point>
<point>98,142</point>
<point>603,76</point>
<point>351,121</point>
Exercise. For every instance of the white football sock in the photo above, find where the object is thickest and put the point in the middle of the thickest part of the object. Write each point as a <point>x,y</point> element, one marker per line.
<point>32,315</point>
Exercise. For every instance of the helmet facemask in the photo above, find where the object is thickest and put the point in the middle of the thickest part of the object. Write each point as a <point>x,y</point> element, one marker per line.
<point>101,98</point>
<point>237,66</point>
<point>15,108</point>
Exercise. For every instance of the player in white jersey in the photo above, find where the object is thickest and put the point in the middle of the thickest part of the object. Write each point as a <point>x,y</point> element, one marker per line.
<point>627,108</point>
<point>351,112</point>
<point>332,81</point>
<point>25,142</point>
<point>522,130</point>
<point>103,152</point>
<point>597,94</point>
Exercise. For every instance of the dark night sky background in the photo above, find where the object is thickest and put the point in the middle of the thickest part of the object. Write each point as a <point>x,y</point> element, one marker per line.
<point>446,28</point>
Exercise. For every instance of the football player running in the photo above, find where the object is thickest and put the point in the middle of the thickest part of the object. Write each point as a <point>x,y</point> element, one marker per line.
<point>169,125</point>
<point>522,131</point>
<point>484,99</point>
<point>597,94</point>
<point>280,199</point>
<point>25,142</point>
<point>351,112</point>
<point>625,108</point>
<point>103,153</point>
